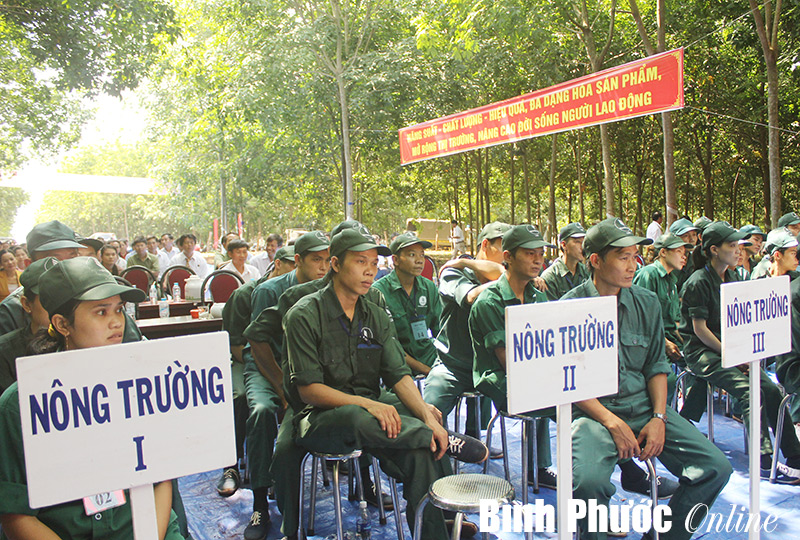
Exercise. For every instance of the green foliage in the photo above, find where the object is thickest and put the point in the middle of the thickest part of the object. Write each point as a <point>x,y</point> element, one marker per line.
<point>10,202</point>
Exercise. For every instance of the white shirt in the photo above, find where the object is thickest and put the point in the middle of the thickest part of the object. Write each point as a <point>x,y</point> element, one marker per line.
<point>250,272</point>
<point>654,231</point>
<point>261,262</point>
<point>197,263</point>
<point>164,258</point>
<point>458,235</point>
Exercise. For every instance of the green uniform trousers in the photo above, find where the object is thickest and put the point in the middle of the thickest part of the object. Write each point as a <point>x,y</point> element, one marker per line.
<point>285,470</point>
<point>262,426</point>
<point>407,457</point>
<point>702,469</point>
<point>239,406</point>
<point>788,372</point>
<point>737,384</point>
<point>443,385</point>
<point>694,401</point>
<point>544,456</point>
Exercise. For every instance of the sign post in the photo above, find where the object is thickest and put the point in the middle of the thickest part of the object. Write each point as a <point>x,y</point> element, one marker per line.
<point>95,421</point>
<point>756,324</point>
<point>557,354</point>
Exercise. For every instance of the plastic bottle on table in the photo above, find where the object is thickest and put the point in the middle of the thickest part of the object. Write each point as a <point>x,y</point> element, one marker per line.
<point>176,292</point>
<point>153,294</point>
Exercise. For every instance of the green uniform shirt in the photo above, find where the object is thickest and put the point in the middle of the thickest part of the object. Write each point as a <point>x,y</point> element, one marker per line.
<point>654,277</point>
<point>267,293</point>
<point>683,274</point>
<point>237,312</point>
<point>560,280</point>
<point>487,327</point>
<point>69,520</point>
<point>787,365</point>
<point>220,257</point>
<point>12,346</point>
<point>642,353</point>
<point>12,316</point>
<point>150,262</point>
<point>423,306</point>
<point>700,300</point>
<point>323,346</point>
<point>454,285</point>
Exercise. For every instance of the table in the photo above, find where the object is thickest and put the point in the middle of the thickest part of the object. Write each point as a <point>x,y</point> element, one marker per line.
<point>150,311</point>
<point>181,325</point>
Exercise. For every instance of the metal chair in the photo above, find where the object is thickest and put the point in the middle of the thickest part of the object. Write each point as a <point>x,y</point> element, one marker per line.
<point>530,427</point>
<point>786,405</point>
<point>466,396</point>
<point>337,459</point>
<point>176,274</point>
<point>221,284</point>
<point>462,493</point>
<point>140,277</point>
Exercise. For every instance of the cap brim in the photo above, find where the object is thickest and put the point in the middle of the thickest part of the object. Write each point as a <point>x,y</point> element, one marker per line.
<point>107,290</point>
<point>92,243</point>
<point>382,250</point>
<point>627,241</point>
<point>536,244</point>
<point>317,248</point>
<point>59,244</point>
<point>424,243</point>
<point>681,232</point>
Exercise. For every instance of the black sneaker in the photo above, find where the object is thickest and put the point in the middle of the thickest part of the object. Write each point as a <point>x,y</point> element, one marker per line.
<point>666,486</point>
<point>229,482</point>
<point>259,525</point>
<point>547,478</point>
<point>465,448</point>
<point>495,453</point>
<point>371,497</point>
<point>786,475</point>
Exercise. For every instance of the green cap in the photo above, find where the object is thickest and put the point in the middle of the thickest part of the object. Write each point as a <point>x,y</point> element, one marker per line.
<point>702,222</point>
<point>779,239</point>
<point>51,235</point>
<point>753,230</point>
<point>356,240</point>
<point>682,226</point>
<point>611,232</point>
<point>81,278</point>
<point>94,243</point>
<point>721,231</point>
<point>407,239</point>
<point>285,253</point>
<point>347,224</point>
<point>493,230</point>
<point>573,230</point>
<point>30,276</point>
<point>670,241</point>
<point>524,236</point>
<point>311,241</point>
<point>788,219</point>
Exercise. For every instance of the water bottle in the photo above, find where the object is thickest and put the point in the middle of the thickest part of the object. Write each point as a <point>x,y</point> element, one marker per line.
<point>363,527</point>
<point>176,292</point>
<point>163,308</point>
<point>130,309</point>
<point>153,294</point>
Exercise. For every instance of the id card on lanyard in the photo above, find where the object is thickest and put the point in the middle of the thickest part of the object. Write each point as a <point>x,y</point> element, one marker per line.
<point>103,501</point>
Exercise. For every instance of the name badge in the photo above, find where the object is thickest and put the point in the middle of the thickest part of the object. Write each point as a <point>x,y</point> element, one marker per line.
<point>103,501</point>
<point>420,330</point>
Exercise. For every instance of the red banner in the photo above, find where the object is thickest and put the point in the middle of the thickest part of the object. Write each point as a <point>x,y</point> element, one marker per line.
<point>216,233</point>
<point>647,86</point>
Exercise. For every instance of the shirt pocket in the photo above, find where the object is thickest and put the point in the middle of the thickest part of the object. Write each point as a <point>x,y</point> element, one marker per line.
<point>335,370</point>
<point>635,353</point>
<point>368,363</point>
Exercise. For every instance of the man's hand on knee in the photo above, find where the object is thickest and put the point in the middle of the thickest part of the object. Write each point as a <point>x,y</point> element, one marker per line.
<point>439,440</point>
<point>387,416</point>
<point>653,432</point>
<point>627,446</point>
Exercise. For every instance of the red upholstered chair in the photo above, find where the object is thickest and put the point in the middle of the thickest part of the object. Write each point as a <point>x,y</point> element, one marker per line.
<point>176,274</point>
<point>429,270</point>
<point>221,284</point>
<point>140,277</point>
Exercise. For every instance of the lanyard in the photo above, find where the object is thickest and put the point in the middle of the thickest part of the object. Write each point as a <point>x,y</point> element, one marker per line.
<point>412,299</point>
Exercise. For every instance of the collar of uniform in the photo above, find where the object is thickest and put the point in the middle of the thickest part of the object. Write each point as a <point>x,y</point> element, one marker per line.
<point>561,267</point>
<point>625,296</point>
<point>333,309</point>
<point>393,281</point>
<point>507,294</point>
<point>660,268</point>
<point>727,277</point>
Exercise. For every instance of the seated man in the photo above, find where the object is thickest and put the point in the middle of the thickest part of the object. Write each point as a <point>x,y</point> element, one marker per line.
<point>413,301</point>
<point>636,421</point>
<point>523,254</point>
<point>569,270</point>
<point>141,257</point>
<point>284,262</point>
<point>339,347</point>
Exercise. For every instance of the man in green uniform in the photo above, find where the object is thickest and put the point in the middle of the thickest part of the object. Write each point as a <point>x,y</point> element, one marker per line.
<point>523,254</point>
<point>787,366</point>
<point>636,422</point>
<point>284,261</point>
<point>752,250</point>
<point>791,221</point>
<point>15,344</point>
<point>777,261</point>
<point>413,301</point>
<point>263,377</point>
<point>142,257</point>
<point>659,277</point>
<point>568,271</point>
<point>339,347</point>
<point>460,283</point>
<point>688,232</point>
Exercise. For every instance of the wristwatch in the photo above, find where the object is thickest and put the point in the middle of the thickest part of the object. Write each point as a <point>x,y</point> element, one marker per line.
<point>661,416</point>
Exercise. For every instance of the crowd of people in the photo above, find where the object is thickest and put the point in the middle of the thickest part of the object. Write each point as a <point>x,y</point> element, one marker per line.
<point>328,333</point>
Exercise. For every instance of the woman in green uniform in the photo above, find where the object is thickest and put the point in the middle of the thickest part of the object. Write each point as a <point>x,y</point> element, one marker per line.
<point>86,309</point>
<point>700,328</point>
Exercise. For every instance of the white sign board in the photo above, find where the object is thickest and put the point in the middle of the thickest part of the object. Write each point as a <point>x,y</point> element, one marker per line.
<point>756,320</point>
<point>561,352</point>
<point>109,418</point>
